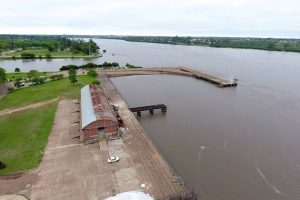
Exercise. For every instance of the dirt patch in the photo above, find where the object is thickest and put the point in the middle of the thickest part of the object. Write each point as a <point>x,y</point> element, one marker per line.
<point>18,183</point>
<point>30,106</point>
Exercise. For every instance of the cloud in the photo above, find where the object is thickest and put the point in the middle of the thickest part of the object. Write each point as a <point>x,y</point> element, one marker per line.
<point>269,18</point>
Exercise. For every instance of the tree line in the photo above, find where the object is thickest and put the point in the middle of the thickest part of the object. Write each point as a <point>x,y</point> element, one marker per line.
<point>52,43</point>
<point>270,44</point>
<point>90,66</point>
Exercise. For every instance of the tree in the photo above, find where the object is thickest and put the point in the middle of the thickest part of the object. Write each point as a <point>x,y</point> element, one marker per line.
<point>27,56</point>
<point>32,73</point>
<point>72,75</point>
<point>18,82</point>
<point>56,76</point>
<point>96,82</point>
<point>92,73</point>
<point>38,80</point>
<point>2,75</point>
<point>48,56</point>
<point>50,48</point>
<point>89,65</point>
<point>2,79</point>
<point>67,67</point>
<point>17,70</point>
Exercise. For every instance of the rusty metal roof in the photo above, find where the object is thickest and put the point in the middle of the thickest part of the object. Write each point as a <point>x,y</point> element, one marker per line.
<point>94,105</point>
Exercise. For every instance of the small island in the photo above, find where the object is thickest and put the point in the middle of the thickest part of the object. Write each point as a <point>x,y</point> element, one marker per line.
<point>46,47</point>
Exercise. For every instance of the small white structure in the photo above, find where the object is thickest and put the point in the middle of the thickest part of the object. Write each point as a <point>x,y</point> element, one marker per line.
<point>133,195</point>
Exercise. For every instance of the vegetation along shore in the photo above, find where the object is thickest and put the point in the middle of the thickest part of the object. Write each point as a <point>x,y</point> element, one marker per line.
<point>46,47</point>
<point>269,44</point>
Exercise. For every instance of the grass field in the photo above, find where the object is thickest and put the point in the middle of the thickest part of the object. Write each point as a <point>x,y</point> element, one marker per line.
<point>46,91</point>
<point>43,52</point>
<point>23,74</point>
<point>23,138</point>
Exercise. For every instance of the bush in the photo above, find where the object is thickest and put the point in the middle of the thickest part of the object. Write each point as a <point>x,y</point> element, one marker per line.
<point>11,89</point>
<point>109,65</point>
<point>2,75</point>
<point>37,80</point>
<point>32,73</point>
<point>48,56</point>
<point>67,67</point>
<point>89,65</point>
<point>72,76</point>
<point>60,76</point>
<point>131,66</point>
<point>17,82</point>
<point>27,55</point>
<point>92,73</point>
<point>96,82</point>
<point>17,69</point>
<point>56,76</point>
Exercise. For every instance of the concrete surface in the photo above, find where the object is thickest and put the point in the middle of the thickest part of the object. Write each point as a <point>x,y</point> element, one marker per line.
<point>145,160</point>
<point>12,197</point>
<point>74,171</point>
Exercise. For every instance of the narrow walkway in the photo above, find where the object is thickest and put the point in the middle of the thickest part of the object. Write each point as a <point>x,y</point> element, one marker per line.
<point>181,71</point>
<point>30,106</point>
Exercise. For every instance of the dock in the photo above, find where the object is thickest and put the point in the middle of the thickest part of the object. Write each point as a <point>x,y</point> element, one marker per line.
<point>143,157</point>
<point>181,71</point>
<point>149,108</point>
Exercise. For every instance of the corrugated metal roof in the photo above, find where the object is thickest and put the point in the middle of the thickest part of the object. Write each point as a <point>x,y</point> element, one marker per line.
<point>94,105</point>
<point>87,109</point>
<point>100,103</point>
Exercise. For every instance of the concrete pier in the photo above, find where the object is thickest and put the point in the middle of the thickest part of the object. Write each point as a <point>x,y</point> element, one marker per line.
<point>148,163</point>
<point>181,71</point>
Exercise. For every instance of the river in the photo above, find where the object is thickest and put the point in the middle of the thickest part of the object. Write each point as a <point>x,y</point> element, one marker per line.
<point>228,144</point>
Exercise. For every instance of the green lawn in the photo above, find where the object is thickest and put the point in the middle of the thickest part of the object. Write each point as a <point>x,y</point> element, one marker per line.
<point>46,91</point>
<point>24,136</point>
<point>23,75</point>
<point>43,52</point>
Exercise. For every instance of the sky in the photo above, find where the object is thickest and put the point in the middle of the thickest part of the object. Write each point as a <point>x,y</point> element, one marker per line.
<point>243,18</point>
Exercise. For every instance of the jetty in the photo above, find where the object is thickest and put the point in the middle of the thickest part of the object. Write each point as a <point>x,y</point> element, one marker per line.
<point>149,108</point>
<point>181,71</point>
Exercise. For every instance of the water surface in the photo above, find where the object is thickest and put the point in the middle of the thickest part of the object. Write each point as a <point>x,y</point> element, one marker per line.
<point>229,144</point>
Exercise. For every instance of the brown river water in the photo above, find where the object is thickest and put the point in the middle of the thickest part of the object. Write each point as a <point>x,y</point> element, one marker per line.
<point>228,144</point>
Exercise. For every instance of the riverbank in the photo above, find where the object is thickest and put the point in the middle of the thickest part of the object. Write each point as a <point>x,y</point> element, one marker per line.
<point>267,44</point>
<point>52,57</point>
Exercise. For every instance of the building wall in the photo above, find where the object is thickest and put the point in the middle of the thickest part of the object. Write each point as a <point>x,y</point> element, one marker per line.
<point>91,131</point>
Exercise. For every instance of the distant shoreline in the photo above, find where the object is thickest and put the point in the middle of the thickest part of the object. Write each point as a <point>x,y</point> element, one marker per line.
<point>53,57</point>
<point>267,44</point>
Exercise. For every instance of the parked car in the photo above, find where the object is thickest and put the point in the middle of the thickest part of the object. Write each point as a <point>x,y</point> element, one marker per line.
<point>113,159</point>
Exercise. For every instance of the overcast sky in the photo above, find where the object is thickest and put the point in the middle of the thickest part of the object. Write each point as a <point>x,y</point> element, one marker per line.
<point>257,18</point>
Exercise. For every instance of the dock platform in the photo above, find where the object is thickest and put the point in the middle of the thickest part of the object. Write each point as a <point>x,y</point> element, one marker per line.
<point>181,71</point>
<point>149,108</point>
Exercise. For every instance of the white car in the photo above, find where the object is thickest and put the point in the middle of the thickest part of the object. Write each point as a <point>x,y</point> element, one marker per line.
<point>113,159</point>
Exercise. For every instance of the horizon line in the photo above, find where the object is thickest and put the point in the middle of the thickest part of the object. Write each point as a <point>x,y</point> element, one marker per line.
<point>128,35</point>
